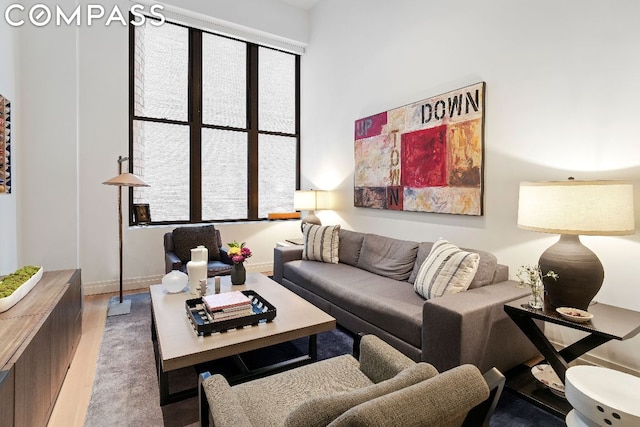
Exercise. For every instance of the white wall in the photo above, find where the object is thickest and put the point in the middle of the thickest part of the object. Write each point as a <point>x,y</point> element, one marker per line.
<point>74,125</point>
<point>48,147</point>
<point>561,100</point>
<point>104,135</point>
<point>8,204</point>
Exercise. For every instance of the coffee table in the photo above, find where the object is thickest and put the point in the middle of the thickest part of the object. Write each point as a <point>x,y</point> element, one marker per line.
<point>177,346</point>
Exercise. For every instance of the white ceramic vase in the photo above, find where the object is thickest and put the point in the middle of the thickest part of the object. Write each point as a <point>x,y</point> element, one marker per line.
<point>175,281</point>
<point>197,268</point>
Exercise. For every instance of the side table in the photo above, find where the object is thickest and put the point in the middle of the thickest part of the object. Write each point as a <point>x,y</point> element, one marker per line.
<point>290,242</point>
<point>608,323</point>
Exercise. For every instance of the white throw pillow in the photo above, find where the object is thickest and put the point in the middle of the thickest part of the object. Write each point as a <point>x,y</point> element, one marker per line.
<point>446,270</point>
<point>321,243</point>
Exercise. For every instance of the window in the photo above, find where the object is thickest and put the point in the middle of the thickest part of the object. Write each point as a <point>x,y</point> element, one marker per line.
<point>214,125</point>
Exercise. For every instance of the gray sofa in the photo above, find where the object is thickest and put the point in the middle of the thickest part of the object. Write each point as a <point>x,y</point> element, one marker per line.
<point>371,291</point>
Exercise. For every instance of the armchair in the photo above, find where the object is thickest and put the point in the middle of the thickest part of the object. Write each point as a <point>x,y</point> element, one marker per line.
<point>178,245</point>
<point>382,388</point>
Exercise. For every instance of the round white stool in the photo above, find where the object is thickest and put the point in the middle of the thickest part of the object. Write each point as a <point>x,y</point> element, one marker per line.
<point>602,397</point>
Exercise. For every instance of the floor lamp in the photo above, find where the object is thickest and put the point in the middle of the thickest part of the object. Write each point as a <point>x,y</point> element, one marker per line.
<point>122,180</point>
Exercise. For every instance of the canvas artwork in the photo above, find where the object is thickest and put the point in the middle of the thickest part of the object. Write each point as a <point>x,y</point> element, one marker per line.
<point>5,145</point>
<point>424,157</point>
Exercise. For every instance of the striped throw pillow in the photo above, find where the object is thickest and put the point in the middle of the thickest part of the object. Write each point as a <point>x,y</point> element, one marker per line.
<point>321,243</point>
<point>446,270</point>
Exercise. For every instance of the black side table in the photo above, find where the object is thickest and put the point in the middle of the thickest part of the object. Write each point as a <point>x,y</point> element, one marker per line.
<point>608,323</point>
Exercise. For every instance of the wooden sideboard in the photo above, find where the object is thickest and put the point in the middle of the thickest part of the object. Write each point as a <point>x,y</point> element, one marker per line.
<point>38,339</point>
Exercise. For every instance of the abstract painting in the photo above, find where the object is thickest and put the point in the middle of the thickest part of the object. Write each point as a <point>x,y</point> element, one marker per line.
<point>5,145</point>
<point>424,157</point>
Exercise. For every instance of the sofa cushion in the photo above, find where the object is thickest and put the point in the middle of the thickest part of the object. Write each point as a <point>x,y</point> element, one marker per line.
<point>386,303</point>
<point>423,251</point>
<point>320,411</point>
<point>187,238</point>
<point>486,268</point>
<point>388,257</point>
<point>350,246</point>
<point>447,270</point>
<point>321,243</point>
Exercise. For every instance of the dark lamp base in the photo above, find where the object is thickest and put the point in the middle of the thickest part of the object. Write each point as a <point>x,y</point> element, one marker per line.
<point>580,273</point>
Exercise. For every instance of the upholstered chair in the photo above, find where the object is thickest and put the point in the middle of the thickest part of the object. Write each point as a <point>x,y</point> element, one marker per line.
<point>382,388</point>
<point>178,245</point>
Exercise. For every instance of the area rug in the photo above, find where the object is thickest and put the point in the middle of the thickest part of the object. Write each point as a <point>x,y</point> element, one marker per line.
<point>125,389</point>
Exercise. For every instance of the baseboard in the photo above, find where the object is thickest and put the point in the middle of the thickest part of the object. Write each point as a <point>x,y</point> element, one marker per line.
<point>594,360</point>
<point>259,267</point>
<point>106,287</point>
<point>589,359</point>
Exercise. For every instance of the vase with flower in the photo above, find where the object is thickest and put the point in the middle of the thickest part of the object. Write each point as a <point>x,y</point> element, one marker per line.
<point>238,253</point>
<point>531,275</point>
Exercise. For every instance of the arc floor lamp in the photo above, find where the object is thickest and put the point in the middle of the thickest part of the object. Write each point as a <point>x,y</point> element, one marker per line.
<point>122,180</point>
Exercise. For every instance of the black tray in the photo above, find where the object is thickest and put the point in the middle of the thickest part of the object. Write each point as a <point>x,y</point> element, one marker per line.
<point>262,309</point>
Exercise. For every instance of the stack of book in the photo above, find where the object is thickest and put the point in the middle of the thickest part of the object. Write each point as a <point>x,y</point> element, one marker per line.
<point>227,305</point>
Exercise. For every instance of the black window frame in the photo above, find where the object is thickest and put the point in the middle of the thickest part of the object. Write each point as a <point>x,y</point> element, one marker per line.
<point>195,124</point>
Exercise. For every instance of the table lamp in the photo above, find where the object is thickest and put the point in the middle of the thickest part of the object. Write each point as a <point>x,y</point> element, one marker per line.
<point>122,180</point>
<point>571,208</point>
<point>308,200</point>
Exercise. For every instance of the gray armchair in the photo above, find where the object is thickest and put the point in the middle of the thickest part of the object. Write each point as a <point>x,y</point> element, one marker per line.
<point>382,388</point>
<point>178,245</point>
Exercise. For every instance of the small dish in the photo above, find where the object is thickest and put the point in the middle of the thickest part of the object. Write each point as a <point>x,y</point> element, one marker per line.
<point>574,314</point>
<point>547,376</point>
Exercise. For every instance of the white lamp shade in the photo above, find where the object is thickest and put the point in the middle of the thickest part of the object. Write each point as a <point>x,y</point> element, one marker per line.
<point>600,208</point>
<point>127,180</point>
<point>311,200</point>
<point>305,200</point>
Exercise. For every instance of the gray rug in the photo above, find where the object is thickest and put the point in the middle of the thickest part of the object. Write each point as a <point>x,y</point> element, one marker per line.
<point>125,389</point>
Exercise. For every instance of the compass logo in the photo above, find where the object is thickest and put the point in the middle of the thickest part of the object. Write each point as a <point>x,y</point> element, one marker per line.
<point>40,15</point>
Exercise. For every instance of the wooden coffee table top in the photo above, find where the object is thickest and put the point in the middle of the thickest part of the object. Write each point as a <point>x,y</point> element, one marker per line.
<point>179,345</point>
